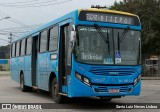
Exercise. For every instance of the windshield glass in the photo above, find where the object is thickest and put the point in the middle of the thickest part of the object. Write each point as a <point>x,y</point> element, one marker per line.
<point>128,51</point>
<point>91,47</point>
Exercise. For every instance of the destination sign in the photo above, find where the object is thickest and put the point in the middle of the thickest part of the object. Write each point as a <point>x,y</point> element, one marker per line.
<point>108,17</point>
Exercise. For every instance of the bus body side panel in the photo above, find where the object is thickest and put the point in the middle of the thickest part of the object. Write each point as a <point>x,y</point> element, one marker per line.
<point>21,65</point>
<point>53,66</point>
<point>14,69</point>
<point>42,71</point>
<point>27,72</point>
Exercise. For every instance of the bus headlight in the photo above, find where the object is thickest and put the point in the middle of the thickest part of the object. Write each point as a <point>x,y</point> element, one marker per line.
<point>86,81</point>
<point>137,79</point>
<point>83,79</point>
<point>78,76</point>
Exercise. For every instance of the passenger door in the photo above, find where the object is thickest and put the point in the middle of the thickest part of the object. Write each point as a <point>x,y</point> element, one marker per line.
<point>64,55</point>
<point>42,75</point>
<point>34,60</point>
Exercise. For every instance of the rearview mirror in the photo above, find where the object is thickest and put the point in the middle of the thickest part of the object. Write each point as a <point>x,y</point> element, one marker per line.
<point>73,37</point>
<point>73,34</point>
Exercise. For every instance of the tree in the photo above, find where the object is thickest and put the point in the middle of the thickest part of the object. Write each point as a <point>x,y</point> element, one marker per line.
<point>5,52</point>
<point>149,13</point>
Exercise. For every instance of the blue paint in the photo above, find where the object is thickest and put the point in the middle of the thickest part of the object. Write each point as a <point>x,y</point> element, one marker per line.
<point>4,61</point>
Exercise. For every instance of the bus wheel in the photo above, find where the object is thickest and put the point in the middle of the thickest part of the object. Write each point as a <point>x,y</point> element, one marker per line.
<point>22,86</point>
<point>54,92</point>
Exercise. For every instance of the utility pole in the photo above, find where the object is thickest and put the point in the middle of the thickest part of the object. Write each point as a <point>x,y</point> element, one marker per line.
<point>10,38</point>
<point>10,41</point>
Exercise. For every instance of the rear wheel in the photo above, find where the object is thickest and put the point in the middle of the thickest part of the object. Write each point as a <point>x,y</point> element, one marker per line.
<point>22,86</point>
<point>54,92</point>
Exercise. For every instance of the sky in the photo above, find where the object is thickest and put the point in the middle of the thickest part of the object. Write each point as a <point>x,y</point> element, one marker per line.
<point>26,15</point>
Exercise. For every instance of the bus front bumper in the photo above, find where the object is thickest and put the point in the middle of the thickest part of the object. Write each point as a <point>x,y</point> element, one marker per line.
<point>77,88</point>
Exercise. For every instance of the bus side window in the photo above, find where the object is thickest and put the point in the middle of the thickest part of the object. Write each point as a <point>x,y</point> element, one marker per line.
<point>43,41</point>
<point>17,48</point>
<point>13,49</point>
<point>53,38</point>
<point>29,45</point>
<point>23,44</point>
<point>20,43</point>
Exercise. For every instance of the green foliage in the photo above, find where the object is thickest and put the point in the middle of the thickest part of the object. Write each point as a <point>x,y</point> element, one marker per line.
<point>5,52</point>
<point>149,13</point>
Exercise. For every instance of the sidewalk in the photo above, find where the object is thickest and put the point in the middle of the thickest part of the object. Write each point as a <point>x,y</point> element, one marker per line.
<point>4,73</point>
<point>150,78</point>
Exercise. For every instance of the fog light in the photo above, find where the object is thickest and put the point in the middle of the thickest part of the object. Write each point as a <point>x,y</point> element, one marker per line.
<point>96,89</point>
<point>129,89</point>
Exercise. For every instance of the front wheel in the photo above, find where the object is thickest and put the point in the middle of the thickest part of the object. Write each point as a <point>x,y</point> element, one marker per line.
<point>54,92</point>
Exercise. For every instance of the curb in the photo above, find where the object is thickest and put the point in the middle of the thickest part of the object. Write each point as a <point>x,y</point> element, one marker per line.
<point>150,78</point>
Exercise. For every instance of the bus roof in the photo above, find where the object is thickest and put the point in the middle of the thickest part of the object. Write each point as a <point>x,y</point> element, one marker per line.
<point>70,15</point>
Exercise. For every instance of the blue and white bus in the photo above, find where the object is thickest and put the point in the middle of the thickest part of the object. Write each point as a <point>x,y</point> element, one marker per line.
<point>87,52</point>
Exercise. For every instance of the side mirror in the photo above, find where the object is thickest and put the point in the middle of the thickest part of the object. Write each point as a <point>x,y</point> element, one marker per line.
<point>73,36</point>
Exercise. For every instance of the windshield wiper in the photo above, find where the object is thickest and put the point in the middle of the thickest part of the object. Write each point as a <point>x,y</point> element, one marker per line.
<point>124,34</point>
<point>122,37</point>
<point>106,40</point>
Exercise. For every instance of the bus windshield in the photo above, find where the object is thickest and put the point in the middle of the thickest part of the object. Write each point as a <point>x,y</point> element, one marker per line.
<point>92,49</point>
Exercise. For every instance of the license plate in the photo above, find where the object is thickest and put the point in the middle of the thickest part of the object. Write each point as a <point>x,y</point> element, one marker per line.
<point>113,90</point>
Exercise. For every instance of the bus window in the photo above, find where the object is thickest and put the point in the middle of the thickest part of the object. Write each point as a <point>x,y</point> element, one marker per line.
<point>17,48</point>
<point>13,50</point>
<point>53,38</point>
<point>22,52</point>
<point>43,41</point>
<point>29,45</point>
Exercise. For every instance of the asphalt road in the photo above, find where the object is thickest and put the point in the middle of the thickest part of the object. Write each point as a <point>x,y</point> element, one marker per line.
<point>10,93</point>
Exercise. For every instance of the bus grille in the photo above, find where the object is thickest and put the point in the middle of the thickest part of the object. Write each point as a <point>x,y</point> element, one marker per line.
<point>105,89</point>
<point>112,71</point>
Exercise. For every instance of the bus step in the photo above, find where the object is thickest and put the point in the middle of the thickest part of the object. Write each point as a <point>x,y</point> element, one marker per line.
<point>64,94</point>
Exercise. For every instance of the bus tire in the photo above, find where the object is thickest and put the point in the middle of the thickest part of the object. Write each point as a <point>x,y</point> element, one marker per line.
<point>22,86</point>
<point>54,92</point>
